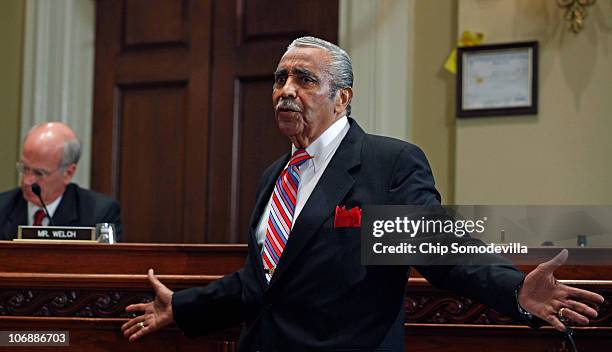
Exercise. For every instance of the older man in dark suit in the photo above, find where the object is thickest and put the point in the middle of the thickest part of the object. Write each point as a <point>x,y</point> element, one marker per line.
<point>303,287</point>
<point>49,158</point>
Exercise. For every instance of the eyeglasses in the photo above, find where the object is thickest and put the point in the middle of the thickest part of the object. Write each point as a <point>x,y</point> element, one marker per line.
<point>39,174</point>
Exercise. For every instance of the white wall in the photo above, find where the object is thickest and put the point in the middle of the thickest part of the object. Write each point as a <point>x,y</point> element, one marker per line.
<point>377,36</point>
<point>58,69</point>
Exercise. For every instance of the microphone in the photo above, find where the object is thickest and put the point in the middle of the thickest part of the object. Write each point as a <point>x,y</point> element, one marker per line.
<point>36,189</point>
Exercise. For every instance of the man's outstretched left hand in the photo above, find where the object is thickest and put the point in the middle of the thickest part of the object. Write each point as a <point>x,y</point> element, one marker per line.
<point>543,296</point>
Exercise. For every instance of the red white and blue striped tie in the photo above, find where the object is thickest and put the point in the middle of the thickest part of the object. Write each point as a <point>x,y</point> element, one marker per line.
<point>282,209</point>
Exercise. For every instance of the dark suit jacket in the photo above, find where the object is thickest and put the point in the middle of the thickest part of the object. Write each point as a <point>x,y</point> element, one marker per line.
<point>321,298</point>
<point>78,207</point>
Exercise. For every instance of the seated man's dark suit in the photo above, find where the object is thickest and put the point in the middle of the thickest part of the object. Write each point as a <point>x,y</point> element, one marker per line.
<point>321,298</point>
<point>78,207</point>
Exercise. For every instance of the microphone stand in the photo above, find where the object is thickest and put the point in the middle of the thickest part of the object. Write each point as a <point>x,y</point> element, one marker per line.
<point>37,191</point>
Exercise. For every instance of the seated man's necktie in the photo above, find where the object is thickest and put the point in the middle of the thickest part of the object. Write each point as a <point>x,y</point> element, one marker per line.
<point>38,217</point>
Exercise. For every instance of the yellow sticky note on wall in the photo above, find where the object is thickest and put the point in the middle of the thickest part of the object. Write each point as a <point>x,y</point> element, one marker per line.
<point>451,62</point>
<point>467,39</point>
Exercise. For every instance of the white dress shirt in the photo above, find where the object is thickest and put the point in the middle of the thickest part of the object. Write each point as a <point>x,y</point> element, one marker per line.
<point>51,207</point>
<point>321,150</point>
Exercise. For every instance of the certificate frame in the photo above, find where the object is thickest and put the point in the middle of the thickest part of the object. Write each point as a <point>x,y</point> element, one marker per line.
<point>497,79</point>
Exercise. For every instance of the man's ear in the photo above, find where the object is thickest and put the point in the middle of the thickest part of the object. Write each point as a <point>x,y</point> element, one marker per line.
<point>343,98</point>
<point>69,173</point>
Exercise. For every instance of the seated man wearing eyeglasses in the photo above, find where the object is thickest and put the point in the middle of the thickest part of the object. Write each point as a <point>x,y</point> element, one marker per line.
<point>49,158</point>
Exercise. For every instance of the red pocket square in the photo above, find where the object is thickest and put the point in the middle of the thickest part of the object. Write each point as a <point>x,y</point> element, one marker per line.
<point>347,218</point>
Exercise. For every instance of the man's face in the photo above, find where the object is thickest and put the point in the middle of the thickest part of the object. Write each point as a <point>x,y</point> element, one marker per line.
<point>301,95</point>
<point>45,158</point>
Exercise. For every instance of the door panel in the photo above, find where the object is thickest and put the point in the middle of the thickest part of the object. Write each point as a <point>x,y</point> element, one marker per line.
<point>183,123</point>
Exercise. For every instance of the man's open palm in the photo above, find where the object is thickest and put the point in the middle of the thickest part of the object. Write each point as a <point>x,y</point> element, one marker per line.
<point>543,296</point>
<point>157,314</point>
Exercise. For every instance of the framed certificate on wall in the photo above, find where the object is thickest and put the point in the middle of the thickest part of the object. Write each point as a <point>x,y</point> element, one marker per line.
<point>499,79</point>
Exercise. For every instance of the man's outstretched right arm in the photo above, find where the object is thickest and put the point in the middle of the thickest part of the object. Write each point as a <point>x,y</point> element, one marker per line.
<point>216,306</point>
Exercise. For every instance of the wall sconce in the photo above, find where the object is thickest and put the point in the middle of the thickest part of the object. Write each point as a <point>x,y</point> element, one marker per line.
<point>575,12</point>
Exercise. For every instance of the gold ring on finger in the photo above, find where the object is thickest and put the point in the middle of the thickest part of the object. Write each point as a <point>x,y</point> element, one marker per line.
<point>561,316</point>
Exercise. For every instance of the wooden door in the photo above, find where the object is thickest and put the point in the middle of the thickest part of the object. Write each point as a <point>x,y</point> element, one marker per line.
<point>183,124</point>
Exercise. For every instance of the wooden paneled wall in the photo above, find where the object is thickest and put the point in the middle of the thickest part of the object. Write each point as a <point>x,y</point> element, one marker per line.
<point>183,122</point>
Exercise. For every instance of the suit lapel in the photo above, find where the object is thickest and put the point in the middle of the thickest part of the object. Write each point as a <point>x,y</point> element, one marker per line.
<point>18,216</point>
<point>331,189</point>
<point>260,206</point>
<point>266,192</point>
<point>66,213</point>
